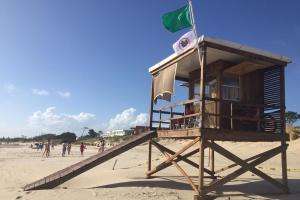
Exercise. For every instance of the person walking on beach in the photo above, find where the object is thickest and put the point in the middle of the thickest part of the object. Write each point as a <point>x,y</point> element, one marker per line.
<point>82,148</point>
<point>69,148</point>
<point>52,145</point>
<point>64,148</point>
<point>102,145</point>
<point>47,149</point>
<point>40,146</point>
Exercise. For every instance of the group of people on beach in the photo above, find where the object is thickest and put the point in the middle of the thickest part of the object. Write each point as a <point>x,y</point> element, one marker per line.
<point>66,147</point>
<point>41,145</point>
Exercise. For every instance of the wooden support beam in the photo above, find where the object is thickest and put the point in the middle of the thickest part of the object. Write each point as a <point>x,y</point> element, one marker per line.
<point>234,165</point>
<point>151,104</point>
<point>183,149</point>
<point>201,168</point>
<point>266,155</point>
<point>245,166</point>
<point>178,78</point>
<point>283,139</point>
<point>180,170</point>
<point>150,125</point>
<point>201,118</point>
<point>212,160</point>
<point>162,122</point>
<point>183,158</point>
<point>179,158</point>
<point>167,112</point>
<point>149,156</point>
<point>160,119</point>
<point>165,165</point>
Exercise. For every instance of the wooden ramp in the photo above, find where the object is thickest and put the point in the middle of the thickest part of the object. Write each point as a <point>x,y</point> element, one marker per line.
<point>70,172</point>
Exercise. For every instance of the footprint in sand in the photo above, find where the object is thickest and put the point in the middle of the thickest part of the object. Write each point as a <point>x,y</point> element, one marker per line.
<point>94,194</point>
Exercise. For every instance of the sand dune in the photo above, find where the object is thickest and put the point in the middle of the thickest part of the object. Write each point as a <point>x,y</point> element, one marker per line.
<point>20,165</point>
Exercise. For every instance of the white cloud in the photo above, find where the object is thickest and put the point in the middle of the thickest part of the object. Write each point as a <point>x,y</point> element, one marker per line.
<point>51,121</point>
<point>127,119</point>
<point>41,92</point>
<point>10,88</point>
<point>64,94</point>
<point>82,117</point>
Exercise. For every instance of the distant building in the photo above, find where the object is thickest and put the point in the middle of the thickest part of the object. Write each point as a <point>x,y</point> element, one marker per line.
<point>119,132</point>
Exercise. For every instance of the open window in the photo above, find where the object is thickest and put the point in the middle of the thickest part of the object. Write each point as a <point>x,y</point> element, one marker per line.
<point>210,89</point>
<point>231,88</point>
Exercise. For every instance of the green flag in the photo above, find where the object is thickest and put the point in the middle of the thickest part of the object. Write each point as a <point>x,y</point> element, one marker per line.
<point>177,19</point>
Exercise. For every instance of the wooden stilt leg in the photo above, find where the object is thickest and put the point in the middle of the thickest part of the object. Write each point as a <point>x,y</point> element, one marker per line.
<point>149,157</point>
<point>283,129</point>
<point>212,164</point>
<point>209,158</point>
<point>201,169</point>
<point>284,166</point>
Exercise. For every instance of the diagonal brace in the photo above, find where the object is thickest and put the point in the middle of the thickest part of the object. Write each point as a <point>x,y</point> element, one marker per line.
<point>181,171</point>
<point>171,158</point>
<point>246,166</point>
<point>183,158</point>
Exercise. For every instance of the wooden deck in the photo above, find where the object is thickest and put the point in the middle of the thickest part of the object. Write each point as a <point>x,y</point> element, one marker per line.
<point>221,135</point>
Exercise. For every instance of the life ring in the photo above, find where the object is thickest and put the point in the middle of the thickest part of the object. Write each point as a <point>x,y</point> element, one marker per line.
<point>269,124</point>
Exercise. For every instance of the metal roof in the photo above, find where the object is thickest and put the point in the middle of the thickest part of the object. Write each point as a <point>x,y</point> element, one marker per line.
<point>226,44</point>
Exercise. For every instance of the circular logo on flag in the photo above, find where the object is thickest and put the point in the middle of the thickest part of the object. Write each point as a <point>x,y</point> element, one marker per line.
<point>184,42</point>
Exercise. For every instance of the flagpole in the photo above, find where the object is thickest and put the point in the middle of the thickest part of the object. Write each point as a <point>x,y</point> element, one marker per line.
<point>192,18</point>
<point>202,62</point>
<point>199,54</point>
<point>197,44</point>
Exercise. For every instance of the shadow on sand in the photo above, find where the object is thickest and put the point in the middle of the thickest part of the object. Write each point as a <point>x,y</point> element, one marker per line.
<point>245,188</point>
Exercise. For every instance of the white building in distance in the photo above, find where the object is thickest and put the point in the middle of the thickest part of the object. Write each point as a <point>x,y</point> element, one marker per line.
<point>119,132</point>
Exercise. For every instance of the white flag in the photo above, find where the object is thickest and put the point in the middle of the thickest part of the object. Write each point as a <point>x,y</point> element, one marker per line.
<point>185,42</point>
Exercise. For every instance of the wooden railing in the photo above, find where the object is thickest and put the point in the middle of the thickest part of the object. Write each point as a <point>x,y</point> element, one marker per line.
<point>222,114</point>
<point>174,116</point>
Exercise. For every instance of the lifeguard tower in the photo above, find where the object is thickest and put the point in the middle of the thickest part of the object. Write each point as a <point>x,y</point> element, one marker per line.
<point>234,93</point>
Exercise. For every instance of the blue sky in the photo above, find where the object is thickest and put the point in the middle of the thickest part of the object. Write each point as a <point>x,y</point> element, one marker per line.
<point>62,58</point>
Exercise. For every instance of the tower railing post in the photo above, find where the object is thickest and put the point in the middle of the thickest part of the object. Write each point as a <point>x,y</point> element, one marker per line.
<point>202,120</point>
<point>150,127</point>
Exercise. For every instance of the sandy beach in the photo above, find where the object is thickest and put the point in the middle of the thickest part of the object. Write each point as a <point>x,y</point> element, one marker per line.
<point>20,165</point>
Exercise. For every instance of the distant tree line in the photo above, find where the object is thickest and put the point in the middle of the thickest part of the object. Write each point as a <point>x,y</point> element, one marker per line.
<point>63,137</point>
<point>91,134</point>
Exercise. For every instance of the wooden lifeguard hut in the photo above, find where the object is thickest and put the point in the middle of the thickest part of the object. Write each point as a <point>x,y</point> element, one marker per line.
<point>234,93</point>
